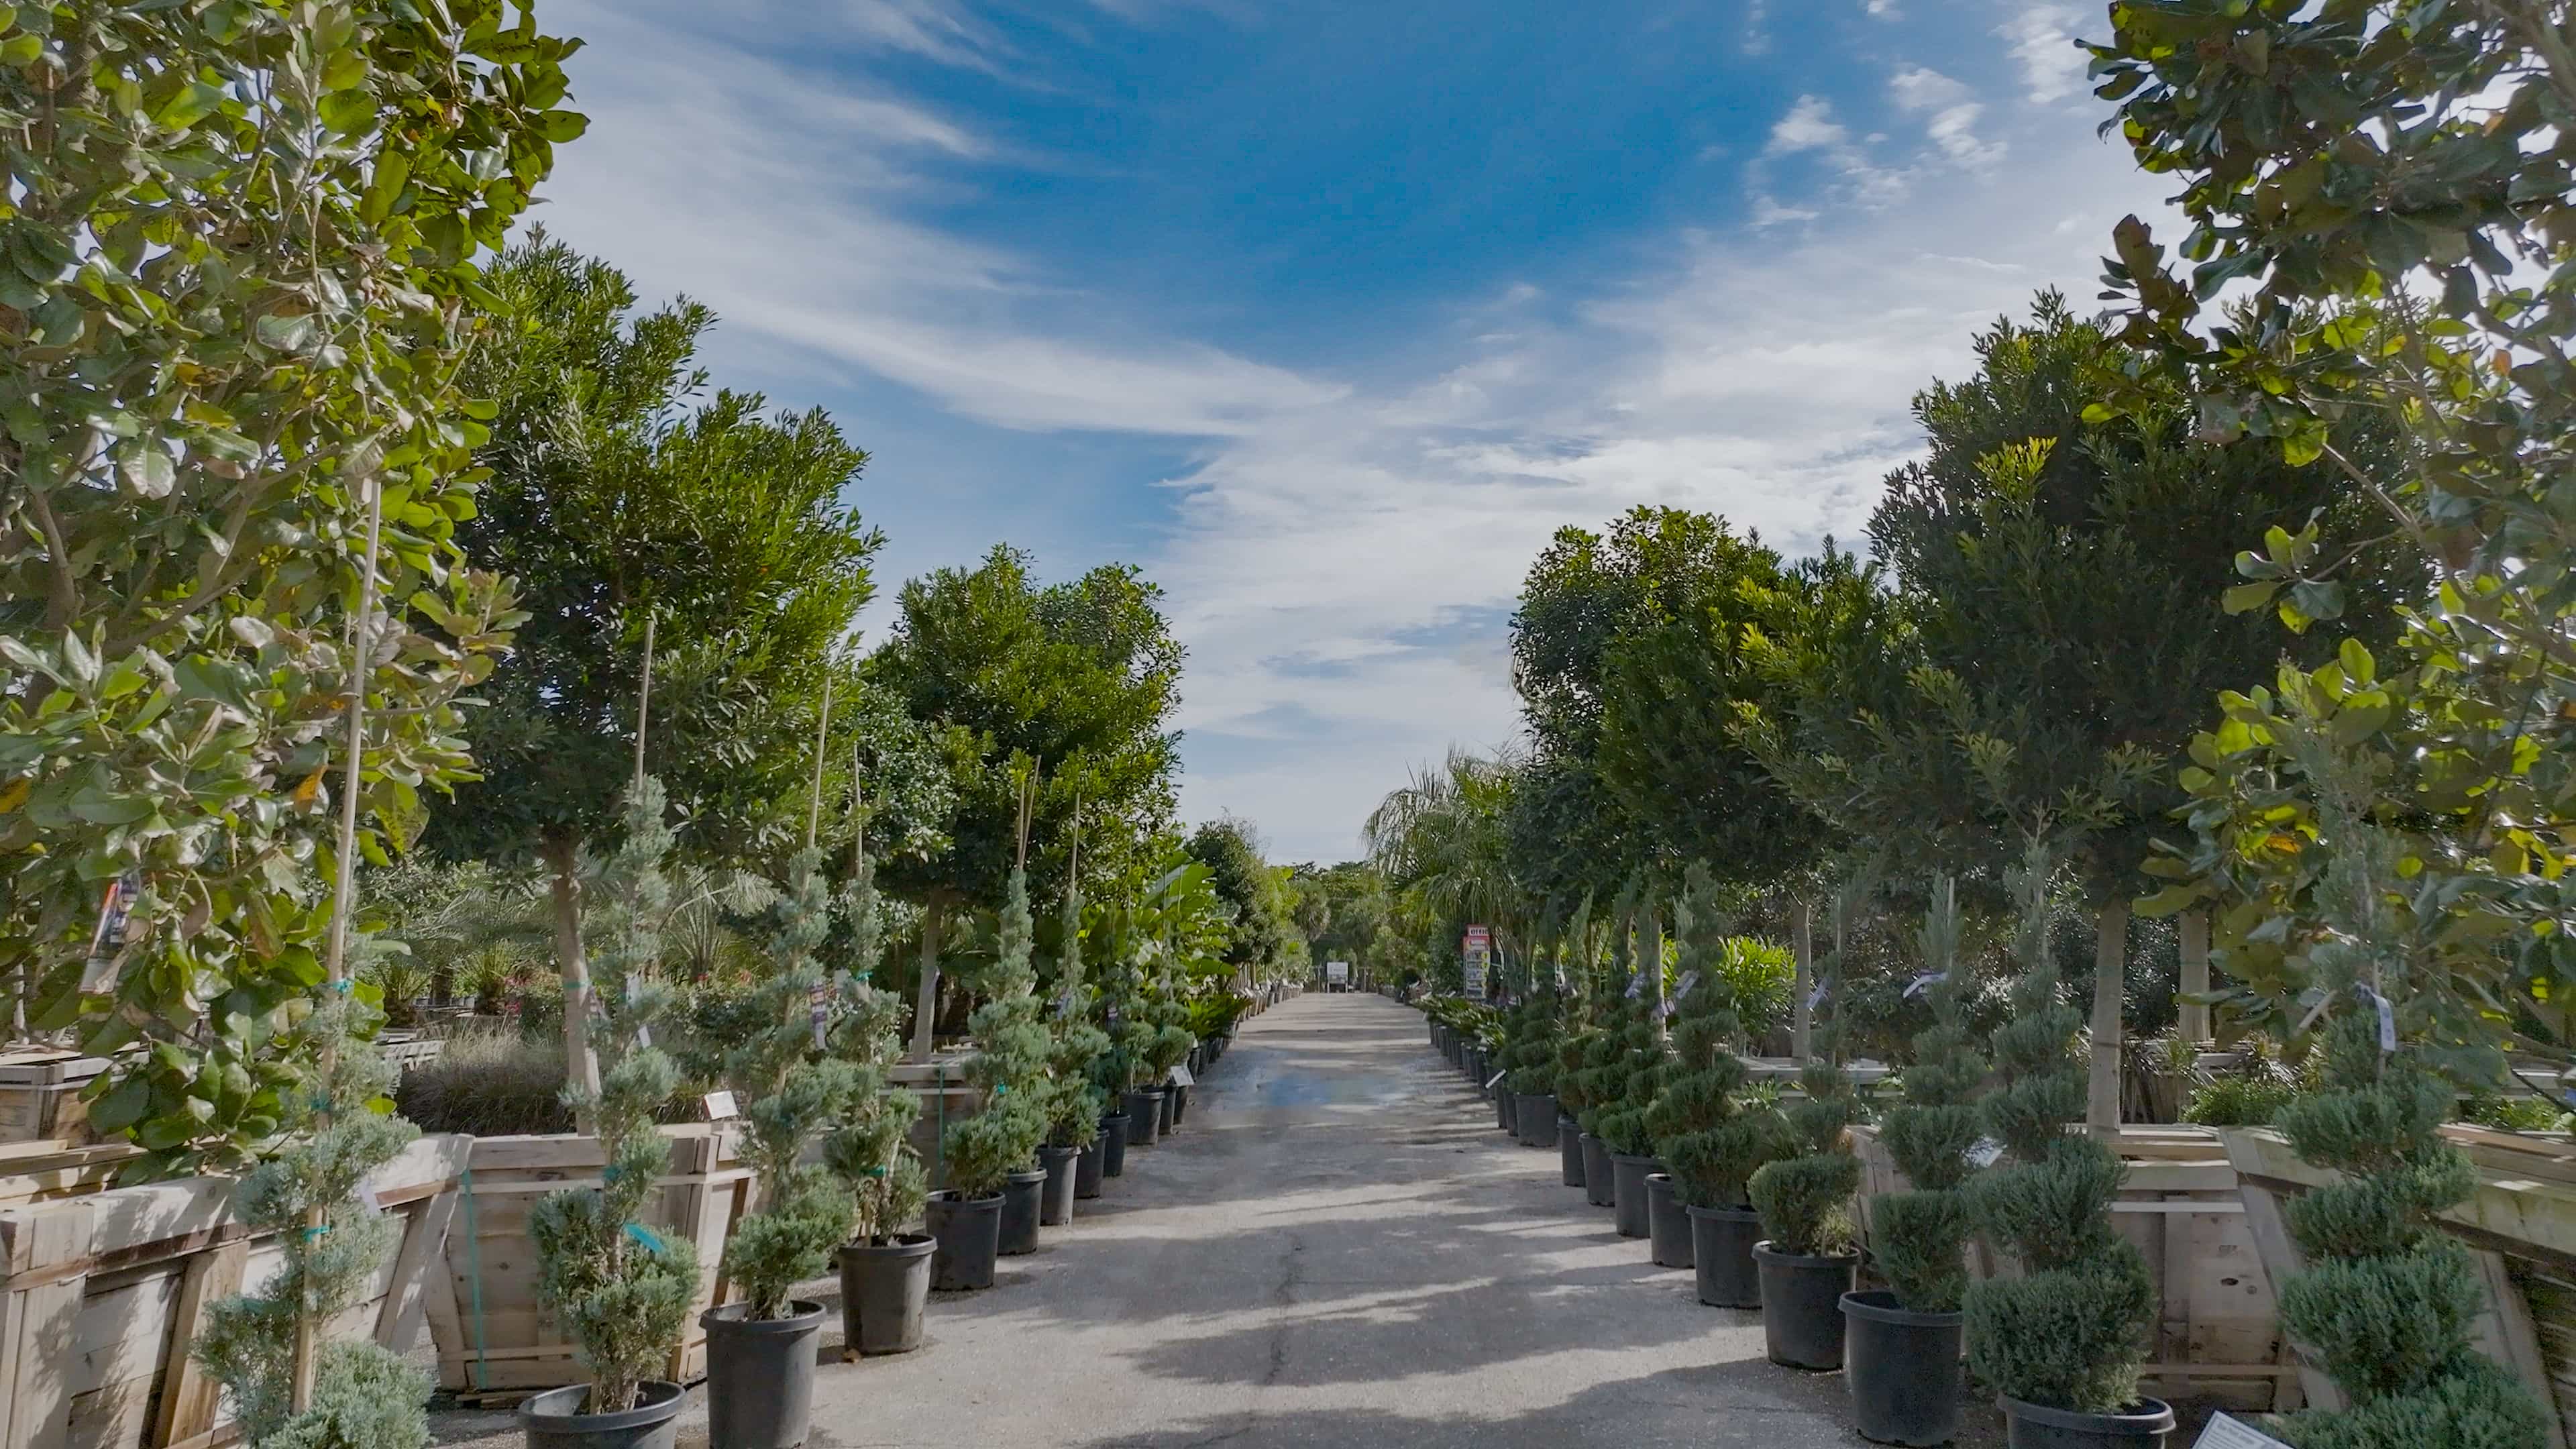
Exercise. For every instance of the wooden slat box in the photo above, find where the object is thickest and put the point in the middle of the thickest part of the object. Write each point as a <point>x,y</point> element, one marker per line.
<point>101,1296</point>
<point>2218,1333</point>
<point>40,1094</point>
<point>493,1335</point>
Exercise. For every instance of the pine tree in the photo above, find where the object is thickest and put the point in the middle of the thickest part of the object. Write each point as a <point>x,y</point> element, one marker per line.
<point>1010,1069</point>
<point>870,1150</point>
<point>1805,1198</point>
<point>1710,1139</point>
<point>1919,1236</point>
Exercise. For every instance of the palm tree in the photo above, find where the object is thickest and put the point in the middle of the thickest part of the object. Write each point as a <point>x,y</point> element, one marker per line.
<point>1442,845</point>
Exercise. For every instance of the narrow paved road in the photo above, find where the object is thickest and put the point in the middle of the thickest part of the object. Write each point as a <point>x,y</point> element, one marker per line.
<point>1338,1248</point>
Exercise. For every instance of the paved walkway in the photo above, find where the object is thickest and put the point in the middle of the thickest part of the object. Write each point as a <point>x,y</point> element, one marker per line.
<point>1337,1248</point>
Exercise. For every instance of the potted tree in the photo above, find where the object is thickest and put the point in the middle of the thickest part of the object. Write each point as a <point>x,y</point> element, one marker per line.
<point>761,1350</point>
<point>619,1288</point>
<point>1901,1344</point>
<point>1713,1140</point>
<point>885,1271</point>
<point>1073,1118</point>
<point>2064,1341</point>
<point>1532,1083</point>
<point>1621,1126</point>
<point>1806,1258</point>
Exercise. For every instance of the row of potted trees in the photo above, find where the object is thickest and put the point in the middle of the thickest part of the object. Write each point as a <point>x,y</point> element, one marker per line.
<point>1654,1113</point>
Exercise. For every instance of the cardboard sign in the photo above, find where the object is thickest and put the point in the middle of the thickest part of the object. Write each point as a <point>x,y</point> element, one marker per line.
<point>720,1106</point>
<point>2229,1433</point>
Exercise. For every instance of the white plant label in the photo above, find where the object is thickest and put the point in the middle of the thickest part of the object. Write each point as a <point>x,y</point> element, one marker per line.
<point>1496,1077</point>
<point>1181,1077</point>
<point>1985,1152</point>
<point>2231,1433</point>
<point>720,1106</point>
<point>1636,984</point>
<point>1683,988</point>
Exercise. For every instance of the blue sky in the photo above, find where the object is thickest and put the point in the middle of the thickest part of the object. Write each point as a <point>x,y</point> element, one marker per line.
<point>1327,314</point>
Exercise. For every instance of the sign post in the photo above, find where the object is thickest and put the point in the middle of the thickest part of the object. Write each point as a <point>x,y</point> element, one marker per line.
<point>1477,951</point>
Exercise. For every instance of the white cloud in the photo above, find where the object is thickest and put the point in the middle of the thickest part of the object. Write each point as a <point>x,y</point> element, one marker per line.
<point>2042,38</point>
<point>1920,88</point>
<point>1809,126</point>
<point>1883,10</point>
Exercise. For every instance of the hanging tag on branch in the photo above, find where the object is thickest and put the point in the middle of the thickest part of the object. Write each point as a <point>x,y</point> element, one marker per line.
<point>1636,985</point>
<point>1816,995</point>
<point>107,941</point>
<point>1689,980</point>
<point>1924,982</point>
<point>635,988</point>
<point>818,1008</point>
<point>2387,1015</point>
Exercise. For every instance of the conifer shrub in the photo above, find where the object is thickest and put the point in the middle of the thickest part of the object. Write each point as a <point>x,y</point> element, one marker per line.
<point>870,1150</point>
<point>1919,1236</point>
<point>620,1289</point>
<point>1529,1051</point>
<point>1710,1138</point>
<point>1011,1067</point>
<point>1805,1199</point>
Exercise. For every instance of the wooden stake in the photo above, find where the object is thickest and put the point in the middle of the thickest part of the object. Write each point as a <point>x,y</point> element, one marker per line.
<point>2110,959</point>
<point>644,697</point>
<point>2195,977</point>
<point>822,732</point>
<point>1802,943</point>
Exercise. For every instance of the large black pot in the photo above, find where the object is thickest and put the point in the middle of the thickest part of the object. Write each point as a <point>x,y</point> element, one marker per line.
<point>1668,1227</point>
<point>1180,1102</point>
<point>1506,1109</point>
<point>1055,1200</point>
<point>969,1231</point>
<point>1535,1114</point>
<point>1113,1145</point>
<point>2143,1425</point>
<point>1628,1191</point>
<point>1089,1166</point>
<point>1598,1188</point>
<point>760,1375</point>
<point>883,1291</point>
<point>1474,1066</point>
<point>1802,1306</point>
<point>553,1419</point>
<point>1144,1116</point>
<point>1569,1151</point>
<point>1170,1112</point>
<point>1022,1202</point>
<point>1722,1255</point>
<point>1903,1368</point>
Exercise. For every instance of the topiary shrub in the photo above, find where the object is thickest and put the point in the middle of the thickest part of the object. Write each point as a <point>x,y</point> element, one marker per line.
<point>2071,1332</point>
<point>1710,1139</point>
<point>1919,1236</point>
<point>1805,1200</point>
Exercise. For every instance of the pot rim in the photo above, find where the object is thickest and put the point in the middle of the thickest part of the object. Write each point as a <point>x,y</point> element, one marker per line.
<point>1732,1215</point>
<point>951,1197</point>
<point>655,1401</point>
<point>803,1315</point>
<point>1880,1306</point>
<point>905,1245</point>
<point>1026,1175</point>
<point>1631,1159</point>
<point>2151,1416</point>
<point>1763,1251</point>
<point>1144,1091</point>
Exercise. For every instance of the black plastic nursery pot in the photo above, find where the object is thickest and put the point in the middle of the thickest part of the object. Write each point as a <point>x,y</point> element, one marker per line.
<point>1598,1188</point>
<point>1722,1256</point>
<point>1144,1116</point>
<point>1802,1306</point>
<point>1170,1113</point>
<point>1903,1369</point>
<point>1569,1151</point>
<point>1091,1164</point>
<point>1534,1113</point>
<point>1668,1229</point>
<point>760,1375</point>
<point>2142,1425</point>
<point>884,1288</point>
<point>554,1420</point>
<point>1055,1200</point>
<point>1180,1102</point>
<point>1022,1203</point>
<point>1113,1145</point>
<point>969,1233</point>
<point>1628,1192</point>
<point>1506,1109</point>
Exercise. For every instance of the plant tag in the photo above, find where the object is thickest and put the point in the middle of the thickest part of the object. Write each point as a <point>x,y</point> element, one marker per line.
<point>1496,1077</point>
<point>645,1237</point>
<point>2387,1016</point>
<point>1985,1152</point>
<point>1683,987</point>
<point>107,942</point>
<point>1181,1077</point>
<point>1667,1007</point>
<point>819,1008</point>
<point>1636,984</point>
<point>2225,1432</point>
<point>1817,995</point>
<point>1924,982</point>
<point>720,1105</point>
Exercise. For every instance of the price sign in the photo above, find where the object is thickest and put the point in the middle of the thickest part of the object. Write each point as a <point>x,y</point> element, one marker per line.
<point>1477,952</point>
<point>720,1105</point>
<point>1181,1077</point>
<point>2225,1432</point>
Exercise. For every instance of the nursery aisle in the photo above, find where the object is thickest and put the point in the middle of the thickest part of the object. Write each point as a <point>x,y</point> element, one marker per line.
<point>1338,1248</point>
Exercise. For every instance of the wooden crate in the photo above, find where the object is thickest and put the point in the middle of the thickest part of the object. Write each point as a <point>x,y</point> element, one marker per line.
<point>494,1337</point>
<point>101,1296</point>
<point>2218,1330</point>
<point>33,1172</point>
<point>40,1094</point>
<point>2520,1228</point>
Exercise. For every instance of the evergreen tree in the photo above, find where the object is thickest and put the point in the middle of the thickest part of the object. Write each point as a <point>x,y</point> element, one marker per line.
<point>1710,1138</point>
<point>1918,1236</point>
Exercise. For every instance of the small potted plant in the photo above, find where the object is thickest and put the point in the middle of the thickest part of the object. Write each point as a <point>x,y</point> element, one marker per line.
<point>1073,1120</point>
<point>1805,1258</point>
<point>1901,1344</point>
<point>620,1289</point>
<point>885,1271</point>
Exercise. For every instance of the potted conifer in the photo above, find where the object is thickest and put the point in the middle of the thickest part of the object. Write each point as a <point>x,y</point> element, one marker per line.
<point>1532,1083</point>
<point>885,1271</point>
<point>1901,1345</point>
<point>1805,1257</point>
<point>1073,1119</point>
<point>1711,1138</point>
<point>1621,1126</point>
<point>1573,1056</point>
<point>620,1289</point>
<point>761,1350</point>
<point>2062,1343</point>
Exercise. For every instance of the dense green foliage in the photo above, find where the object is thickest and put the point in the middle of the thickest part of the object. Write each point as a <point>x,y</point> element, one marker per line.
<point>1804,1195</point>
<point>1918,1236</point>
<point>1709,1136</point>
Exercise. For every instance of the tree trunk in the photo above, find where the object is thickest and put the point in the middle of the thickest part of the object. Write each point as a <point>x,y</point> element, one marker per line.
<point>925,1011</point>
<point>1802,984</point>
<point>581,1064</point>
<point>2110,961</point>
<point>2195,977</point>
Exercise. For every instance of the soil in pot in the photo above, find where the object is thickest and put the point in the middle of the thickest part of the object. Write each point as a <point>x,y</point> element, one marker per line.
<point>1569,1151</point>
<point>884,1287</point>
<point>1722,1256</point>
<point>1091,1165</point>
<point>1628,1192</point>
<point>1668,1229</point>
<point>760,1375</point>
<point>1144,1116</point>
<point>1022,1202</point>
<point>1113,1145</point>
<point>1598,1187</point>
<point>553,1419</point>
<point>969,1234</point>
<point>2142,1425</point>
<point>1802,1306</point>
<point>1535,1114</point>
<point>1055,1200</point>
<point>1903,1369</point>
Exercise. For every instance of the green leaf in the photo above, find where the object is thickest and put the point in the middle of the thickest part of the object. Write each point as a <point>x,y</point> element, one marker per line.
<point>121,1106</point>
<point>2246,598</point>
<point>191,105</point>
<point>561,127</point>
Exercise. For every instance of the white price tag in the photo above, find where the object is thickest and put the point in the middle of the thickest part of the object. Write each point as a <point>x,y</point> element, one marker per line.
<point>1181,1077</point>
<point>1636,984</point>
<point>2231,1433</point>
<point>720,1106</point>
<point>1496,1077</point>
<point>1689,980</point>
<point>1985,1152</point>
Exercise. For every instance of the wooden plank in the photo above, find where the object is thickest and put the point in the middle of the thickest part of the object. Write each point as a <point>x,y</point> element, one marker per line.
<point>189,1399</point>
<point>406,1305</point>
<point>2505,1332</point>
<point>40,1401</point>
<point>2283,1260</point>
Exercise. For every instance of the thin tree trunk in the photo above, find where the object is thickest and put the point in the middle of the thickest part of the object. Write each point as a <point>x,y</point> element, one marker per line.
<point>925,1009</point>
<point>1655,964</point>
<point>1802,983</point>
<point>2110,961</point>
<point>581,1064</point>
<point>2195,976</point>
